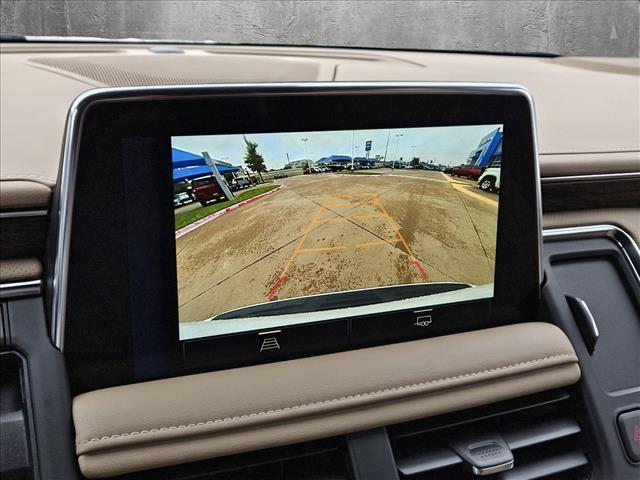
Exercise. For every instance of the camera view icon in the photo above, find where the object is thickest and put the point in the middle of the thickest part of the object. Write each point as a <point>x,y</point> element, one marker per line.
<point>270,343</point>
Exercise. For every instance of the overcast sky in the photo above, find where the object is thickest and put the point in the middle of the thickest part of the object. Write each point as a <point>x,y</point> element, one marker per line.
<point>446,145</point>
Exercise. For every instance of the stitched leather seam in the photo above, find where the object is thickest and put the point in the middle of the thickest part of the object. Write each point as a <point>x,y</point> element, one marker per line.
<point>323,402</point>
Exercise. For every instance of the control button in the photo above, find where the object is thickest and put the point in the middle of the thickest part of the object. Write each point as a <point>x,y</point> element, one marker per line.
<point>629,425</point>
<point>389,327</point>
<point>256,347</point>
<point>270,343</point>
<point>423,318</point>
<point>415,324</point>
<point>309,338</point>
<point>268,340</point>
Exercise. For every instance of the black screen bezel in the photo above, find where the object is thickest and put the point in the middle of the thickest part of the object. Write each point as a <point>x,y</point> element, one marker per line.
<point>103,344</point>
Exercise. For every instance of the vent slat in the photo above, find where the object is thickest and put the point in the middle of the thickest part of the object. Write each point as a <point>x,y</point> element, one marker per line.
<point>525,435</point>
<point>421,458</point>
<point>547,466</point>
<point>315,460</point>
<point>545,439</point>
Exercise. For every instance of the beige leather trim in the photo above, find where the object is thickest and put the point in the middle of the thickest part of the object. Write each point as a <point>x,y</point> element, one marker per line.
<point>172,421</point>
<point>23,194</point>
<point>626,218</point>
<point>561,164</point>
<point>20,269</point>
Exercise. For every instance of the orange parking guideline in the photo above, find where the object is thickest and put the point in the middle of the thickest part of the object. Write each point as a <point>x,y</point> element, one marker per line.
<point>322,249</point>
<point>377,242</point>
<point>397,230</point>
<point>350,204</point>
<point>317,219</point>
<point>366,216</point>
<point>302,240</point>
<point>413,260</point>
<point>283,276</point>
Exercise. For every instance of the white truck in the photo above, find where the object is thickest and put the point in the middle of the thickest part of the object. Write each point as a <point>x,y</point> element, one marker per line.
<point>490,180</point>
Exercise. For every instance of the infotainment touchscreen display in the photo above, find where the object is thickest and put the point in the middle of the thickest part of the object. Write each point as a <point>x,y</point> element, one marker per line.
<point>276,229</point>
<point>211,227</point>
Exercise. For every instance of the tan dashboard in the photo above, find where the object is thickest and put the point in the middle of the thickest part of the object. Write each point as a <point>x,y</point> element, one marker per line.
<point>585,106</point>
<point>185,419</point>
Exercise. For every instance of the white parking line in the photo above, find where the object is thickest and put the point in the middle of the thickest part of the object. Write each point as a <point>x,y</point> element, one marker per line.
<point>461,187</point>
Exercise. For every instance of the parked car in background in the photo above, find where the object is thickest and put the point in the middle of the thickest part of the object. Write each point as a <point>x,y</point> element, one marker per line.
<point>469,171</point>
<point>206,189</point>
<point>490,180</point>
<point>280,175</point>
<point>180,199</point>
<point>238,183</point>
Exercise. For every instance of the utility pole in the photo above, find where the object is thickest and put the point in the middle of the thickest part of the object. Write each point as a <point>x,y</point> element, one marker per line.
<point>221,181</point>
<point>353,141</point>
<point>386,148</point>
<point>395,157</point>
<point>305,140</point>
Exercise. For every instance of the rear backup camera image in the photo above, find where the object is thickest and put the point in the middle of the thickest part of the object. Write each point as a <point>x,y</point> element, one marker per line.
<point>274,229</point>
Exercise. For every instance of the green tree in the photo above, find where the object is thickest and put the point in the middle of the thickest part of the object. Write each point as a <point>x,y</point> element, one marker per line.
<point>415,162</point>
<point>252,159</point>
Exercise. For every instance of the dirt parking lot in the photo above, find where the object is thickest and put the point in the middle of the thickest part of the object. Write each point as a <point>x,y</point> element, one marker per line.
<point>334,232</point>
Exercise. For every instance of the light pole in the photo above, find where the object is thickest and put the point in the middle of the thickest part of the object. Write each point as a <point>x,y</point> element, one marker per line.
<point>305,140</point>
<point>384,162</point>
<point>353,141</point>
<point>216,173</point>
<point>398,135</point>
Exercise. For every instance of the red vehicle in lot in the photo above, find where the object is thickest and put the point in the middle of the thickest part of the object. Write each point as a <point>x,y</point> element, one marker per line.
<point>206,190</point>
<point>468,171</point>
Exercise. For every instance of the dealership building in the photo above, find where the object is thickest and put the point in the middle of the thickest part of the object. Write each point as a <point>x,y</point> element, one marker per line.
<point>488,150</point>
<point>303,163</point>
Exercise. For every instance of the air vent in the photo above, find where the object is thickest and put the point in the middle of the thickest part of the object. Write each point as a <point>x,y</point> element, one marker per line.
<point>319,460</point>
<point>17,456</point>
<point>542,433</point>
